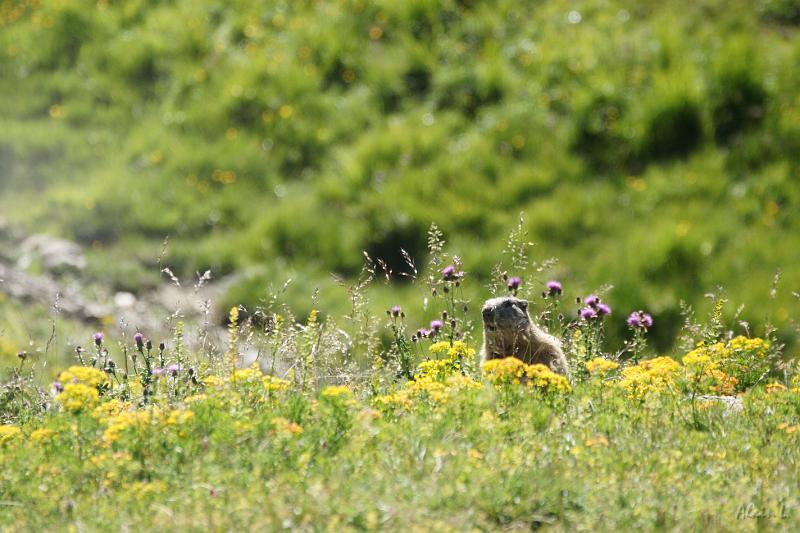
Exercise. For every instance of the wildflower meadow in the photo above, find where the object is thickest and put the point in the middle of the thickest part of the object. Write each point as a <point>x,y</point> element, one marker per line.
<point>252,251</point>
<point>410,432</point>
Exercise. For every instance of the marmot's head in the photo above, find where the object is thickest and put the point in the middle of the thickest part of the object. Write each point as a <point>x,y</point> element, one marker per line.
<point>506,314</point>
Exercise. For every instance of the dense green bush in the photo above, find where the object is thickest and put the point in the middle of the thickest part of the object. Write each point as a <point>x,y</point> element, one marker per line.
<point>738,103</point>
<point>673,128</point>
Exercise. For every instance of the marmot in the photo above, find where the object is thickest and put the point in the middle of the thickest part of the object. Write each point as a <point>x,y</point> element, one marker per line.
<point>508,330</point>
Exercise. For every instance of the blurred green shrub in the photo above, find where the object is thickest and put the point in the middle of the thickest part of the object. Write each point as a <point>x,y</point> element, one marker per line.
<point>738,103</point>
<point>673,128</point>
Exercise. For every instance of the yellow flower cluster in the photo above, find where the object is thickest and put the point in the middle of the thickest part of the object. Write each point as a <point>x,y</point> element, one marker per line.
<point>721,367</point>
<point>542,378</point>
<point>249,376</point>
<point>399,400</point>
<point>505,370</point>
<point>703,371</point>
<point>435,381</point>
<point>596,440</point>
<point>42,435</point>
<point>9,434</point>
<point>439,369</point>
<point>336,391</point>
<point>273,384</point>
<point>789,428</point>
<point>246,375</point>
<point>139,419</point>
<point>458,349</point>
<point>428,388</point>
<point>650,376</point>
<point>600,366</point>
<point>215,382</point>
<point>110,408</point>
<point>85,375</point>
<point>77,396</point>
<point>758,347</point>
<point>775,387</point>
<point>195,398</point>
<point>119,423</point>
<point>286,427</point>
<point>510,370</point>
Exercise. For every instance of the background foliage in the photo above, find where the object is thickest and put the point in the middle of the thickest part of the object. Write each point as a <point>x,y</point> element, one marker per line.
<point>653,146</point>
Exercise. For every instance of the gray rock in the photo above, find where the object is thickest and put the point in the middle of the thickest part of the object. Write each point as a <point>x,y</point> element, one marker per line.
<point>56,255</point>
<point>733,404</point>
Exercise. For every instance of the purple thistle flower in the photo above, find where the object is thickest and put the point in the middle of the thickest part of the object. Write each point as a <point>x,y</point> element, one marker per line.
<point>158,371</point>
<point>58,387</point>
<point>592,300</point>
<point>514,283</point>
<point>396,311</point>
<point>448,272</point>
<point>587,313</point>
<point>640,319</point>
<point>173,369</point>
<point>603,309</point>
<point>162,346</point>
<point>554,287</point>
<point>436,325</point>
<point>422,333</point>
<point>138,338</point>
<point>98,338</point>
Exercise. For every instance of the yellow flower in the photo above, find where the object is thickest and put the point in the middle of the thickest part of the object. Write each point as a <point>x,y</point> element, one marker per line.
<point>437,368</point>
<point>118,424</point>
<point>273,384</point>
<point>775,387</point>
<point>460,350</point>
<point>9,434</point>
<point>215,382</point>
<point>77,396</point>
<point>335,391</point>
<point>195,398</point>
<point>789,428</point>
<point>110,408</point>
<point>401,399</point>
<point>246,375</point>
<point>597,440</point>
<point>700,360</point>
<point>541,377</point>
<point>179,417</point>
<point>85,375</point>
<point>475,454</point>
<point>722,383</point>
<point>439,347</point>
<point>142,489</point>
<point>42,435</point>
<point>601,366</point>
<point>286,427</point>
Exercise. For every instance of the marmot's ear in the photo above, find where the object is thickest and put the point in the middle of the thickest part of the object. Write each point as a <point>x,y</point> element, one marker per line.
<point>523,304</point>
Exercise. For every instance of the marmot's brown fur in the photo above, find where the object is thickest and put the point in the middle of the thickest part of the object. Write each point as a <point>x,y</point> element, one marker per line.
<point>509,331</point>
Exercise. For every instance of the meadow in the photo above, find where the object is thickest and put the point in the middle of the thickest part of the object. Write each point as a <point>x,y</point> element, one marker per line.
<point>330,190</point>
<point>146,435</point>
